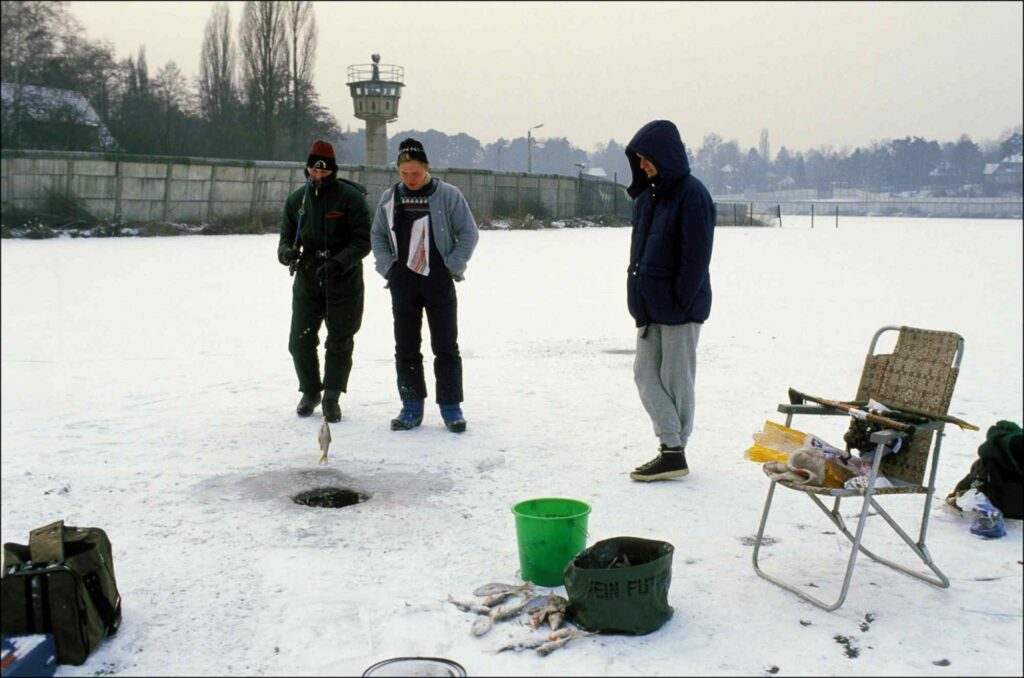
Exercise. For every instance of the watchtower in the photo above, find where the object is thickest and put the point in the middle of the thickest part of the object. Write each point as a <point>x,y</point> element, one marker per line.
<point>376,89</point>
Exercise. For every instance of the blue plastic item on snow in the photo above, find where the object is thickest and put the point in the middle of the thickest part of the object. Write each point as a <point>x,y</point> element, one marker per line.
<point>29,655</point>
<point>989,521</point>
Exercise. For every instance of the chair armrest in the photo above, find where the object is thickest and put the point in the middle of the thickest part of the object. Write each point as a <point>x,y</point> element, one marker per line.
<point>788,408</point>
<point>885,435</point>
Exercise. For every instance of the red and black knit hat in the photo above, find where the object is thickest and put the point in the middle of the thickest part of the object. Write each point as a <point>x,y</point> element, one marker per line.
<point>321,156</point>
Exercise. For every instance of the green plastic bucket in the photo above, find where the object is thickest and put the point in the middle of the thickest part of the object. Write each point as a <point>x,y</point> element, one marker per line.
<point>550,531</point>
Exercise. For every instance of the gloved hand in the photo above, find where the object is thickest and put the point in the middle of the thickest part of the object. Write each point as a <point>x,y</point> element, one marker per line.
<point>288,256</point>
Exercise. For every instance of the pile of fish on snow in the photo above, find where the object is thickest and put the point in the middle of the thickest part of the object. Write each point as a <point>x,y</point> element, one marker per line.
<point>540,608</point>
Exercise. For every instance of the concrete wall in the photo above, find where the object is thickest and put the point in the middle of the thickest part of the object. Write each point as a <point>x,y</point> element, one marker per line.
<point>138,188</point>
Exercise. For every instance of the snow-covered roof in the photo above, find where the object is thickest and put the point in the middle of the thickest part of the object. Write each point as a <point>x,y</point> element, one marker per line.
<point>50,104</point>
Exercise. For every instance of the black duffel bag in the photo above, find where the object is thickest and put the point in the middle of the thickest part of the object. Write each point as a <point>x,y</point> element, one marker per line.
<point>620,585</point>
<point>61,583</point>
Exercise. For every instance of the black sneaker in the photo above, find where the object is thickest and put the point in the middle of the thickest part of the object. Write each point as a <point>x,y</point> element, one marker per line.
<point>307,404</point>
<point>666,465</point>
<point>662,448</point>
<point>331,410</point>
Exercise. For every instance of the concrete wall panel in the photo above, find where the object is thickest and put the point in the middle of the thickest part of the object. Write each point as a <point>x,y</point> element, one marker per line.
<point>199,189</point>
<point>94,186</point>
<point>104,209</point>
<point>101,168</point>
<point>144,170</point>
<point>189,191</point>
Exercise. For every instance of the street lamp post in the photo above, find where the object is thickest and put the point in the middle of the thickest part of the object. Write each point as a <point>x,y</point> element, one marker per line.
<point>579,187</point>
<point>529,148</point>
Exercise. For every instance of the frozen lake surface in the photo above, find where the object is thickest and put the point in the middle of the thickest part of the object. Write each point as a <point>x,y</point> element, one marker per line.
<point>147,389</point>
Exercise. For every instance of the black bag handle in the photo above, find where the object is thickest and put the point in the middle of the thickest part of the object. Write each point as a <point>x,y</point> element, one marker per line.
<point>46,544</point>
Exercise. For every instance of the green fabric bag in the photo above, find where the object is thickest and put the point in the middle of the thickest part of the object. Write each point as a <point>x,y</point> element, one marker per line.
<point>61,583</point>
<point>620,585</point>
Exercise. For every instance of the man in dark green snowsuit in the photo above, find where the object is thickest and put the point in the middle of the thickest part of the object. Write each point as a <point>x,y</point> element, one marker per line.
<point>325,233</point>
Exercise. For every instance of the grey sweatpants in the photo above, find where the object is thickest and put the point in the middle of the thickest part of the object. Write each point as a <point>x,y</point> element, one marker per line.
<point>664,371</point>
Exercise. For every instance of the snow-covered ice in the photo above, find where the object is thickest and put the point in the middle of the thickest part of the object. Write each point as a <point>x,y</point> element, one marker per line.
<point>147,389</point>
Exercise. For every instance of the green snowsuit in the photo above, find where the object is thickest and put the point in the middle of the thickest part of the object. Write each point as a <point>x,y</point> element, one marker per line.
<point>334,238</point>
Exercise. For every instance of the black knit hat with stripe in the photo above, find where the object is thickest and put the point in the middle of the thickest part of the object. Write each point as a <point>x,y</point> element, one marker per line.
<point>410,149</point>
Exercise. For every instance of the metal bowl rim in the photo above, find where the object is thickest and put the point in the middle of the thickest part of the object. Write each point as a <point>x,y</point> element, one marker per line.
<point>459,669</point>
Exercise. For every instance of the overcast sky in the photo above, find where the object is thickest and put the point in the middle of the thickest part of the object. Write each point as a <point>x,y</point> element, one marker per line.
<point>839,74</point>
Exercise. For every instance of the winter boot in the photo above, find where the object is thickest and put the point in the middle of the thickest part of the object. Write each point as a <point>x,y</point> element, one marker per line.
<point>330,408</point>
<point>670,463</point>
<point>308,403</point>
<point>410,417</point>
<point>453,419</point>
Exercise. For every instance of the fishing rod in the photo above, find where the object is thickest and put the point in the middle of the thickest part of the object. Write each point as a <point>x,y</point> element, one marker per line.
<point>796,397</point>
<point>298,229</point>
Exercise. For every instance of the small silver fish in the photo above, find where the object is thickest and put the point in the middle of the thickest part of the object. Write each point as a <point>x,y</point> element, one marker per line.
<point>540,602</point>
<point>539,616</point>
<point>498,587</point>
<point>519,646</point>
<point>470,607</point>
<point>553,612</point>
<point>509,611</point>
<point>324,438</point>
<point>493,600</point>
<point>534,643</point>
<point>552,645</point>
<point>482,626</point>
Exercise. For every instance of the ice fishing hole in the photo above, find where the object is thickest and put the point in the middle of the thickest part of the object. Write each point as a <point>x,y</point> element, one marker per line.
<point>329,497</point>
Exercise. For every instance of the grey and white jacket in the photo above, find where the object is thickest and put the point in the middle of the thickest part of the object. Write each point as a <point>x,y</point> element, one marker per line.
<point>451,223</point>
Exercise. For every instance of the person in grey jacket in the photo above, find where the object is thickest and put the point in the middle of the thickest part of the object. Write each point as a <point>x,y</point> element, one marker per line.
<point>423,235</point>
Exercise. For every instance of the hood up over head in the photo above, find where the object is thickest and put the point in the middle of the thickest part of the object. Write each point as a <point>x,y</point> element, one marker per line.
<point>659,142</point>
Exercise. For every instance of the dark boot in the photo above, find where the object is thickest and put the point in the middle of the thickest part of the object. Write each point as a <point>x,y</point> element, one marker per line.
<point>330,408</point>
<point>453,419</point>
<point>670,463</point>
<point>410,417</point>
<point>307,404</point>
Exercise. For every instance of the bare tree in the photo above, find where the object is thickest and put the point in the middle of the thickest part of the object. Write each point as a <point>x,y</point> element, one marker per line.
<point>172,101</point>
<point>217,66</point>
<point>301,27</point>
<point>142,74</point>
<point>264,68</point>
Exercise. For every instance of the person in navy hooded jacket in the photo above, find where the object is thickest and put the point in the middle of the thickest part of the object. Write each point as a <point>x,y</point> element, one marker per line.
<point>668,287</point>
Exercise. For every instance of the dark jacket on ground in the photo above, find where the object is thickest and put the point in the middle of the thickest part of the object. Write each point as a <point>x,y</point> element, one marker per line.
<point>337,221</point>
<point>998,472</point>
<point>673,230</point>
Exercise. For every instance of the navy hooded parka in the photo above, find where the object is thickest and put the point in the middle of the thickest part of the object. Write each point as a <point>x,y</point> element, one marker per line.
<point>673,230</point>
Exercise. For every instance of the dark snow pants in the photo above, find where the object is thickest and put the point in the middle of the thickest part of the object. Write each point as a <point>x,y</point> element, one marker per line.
<point>341,307</point>
<point>411,295</point>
